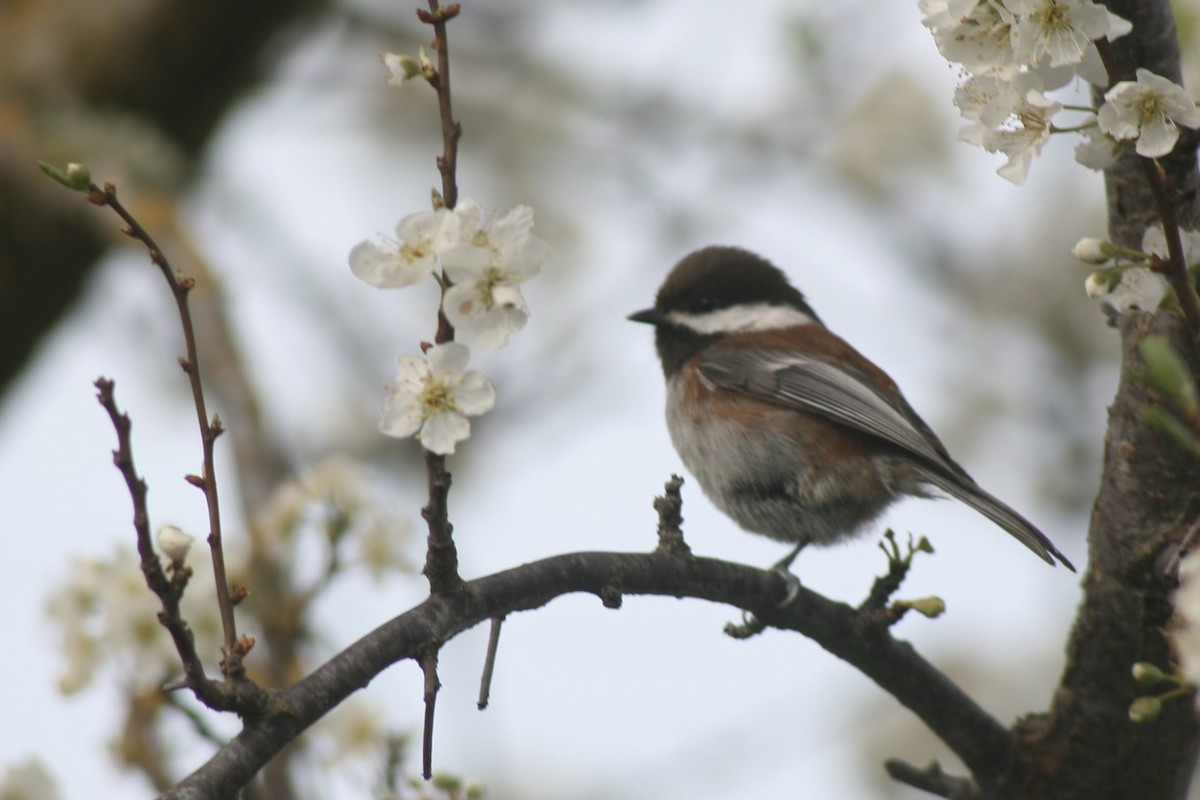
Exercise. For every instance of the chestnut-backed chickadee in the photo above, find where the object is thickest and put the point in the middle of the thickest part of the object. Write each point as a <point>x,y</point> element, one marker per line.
<point>788,429</point>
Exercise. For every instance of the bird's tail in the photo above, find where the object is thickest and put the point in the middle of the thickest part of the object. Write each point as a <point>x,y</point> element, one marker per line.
<point>1008,519</point>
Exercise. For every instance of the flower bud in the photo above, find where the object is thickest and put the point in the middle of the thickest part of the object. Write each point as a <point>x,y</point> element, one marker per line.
<point>1101,282</point>
<point>1091,250</point>
<point>78,177</point>
<point>1147,674</point>
<point>1145,709</point>
<point>174,544</point>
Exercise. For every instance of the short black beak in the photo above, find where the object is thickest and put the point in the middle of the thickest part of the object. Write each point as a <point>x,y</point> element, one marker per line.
<point>650,316</point>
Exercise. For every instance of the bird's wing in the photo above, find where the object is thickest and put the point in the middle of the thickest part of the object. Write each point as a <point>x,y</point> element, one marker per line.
<point>810,384</point>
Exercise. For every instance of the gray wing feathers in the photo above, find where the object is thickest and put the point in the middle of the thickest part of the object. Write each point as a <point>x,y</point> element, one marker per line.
<point>813,385</point>
<point>822,388</point>
<point>996,511</point>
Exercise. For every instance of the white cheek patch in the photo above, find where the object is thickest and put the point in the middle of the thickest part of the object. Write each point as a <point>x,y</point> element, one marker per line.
<point>742,318</point>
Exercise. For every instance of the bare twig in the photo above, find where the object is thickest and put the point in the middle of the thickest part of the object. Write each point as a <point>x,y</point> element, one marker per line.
<point>932,779</point>
<point>428,662</point>
<point>168,590</point>
<point>489,663</point>
<point>209,430</point>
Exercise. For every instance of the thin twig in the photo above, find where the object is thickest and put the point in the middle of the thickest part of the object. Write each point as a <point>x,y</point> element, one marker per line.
<point>168,590</point>
<point>209,431</point>
<point>441,556</point>
<point>489,662</point>
<point>931,779</point>
<point>429,669</point>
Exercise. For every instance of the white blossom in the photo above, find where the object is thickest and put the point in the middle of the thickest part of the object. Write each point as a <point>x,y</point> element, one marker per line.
<point>409,260</point>
<point>399,68</point>
<point>107,616</point>
<point>485,303</point>
<point>1098,150</point>
<point>433,397</point>
<point>28,780</point>
<point>1021,142</point>
<point>1060,31</point>
<point>1140,289</point>
<point>1154,242</point>
<point>977,35</point>
<point>1148,110</point>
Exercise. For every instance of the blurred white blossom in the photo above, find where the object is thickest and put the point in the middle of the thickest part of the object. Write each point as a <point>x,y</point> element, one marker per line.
<point>400,68</point>
<point>333,501</point>
<point>107,616</point>
<point>28,780</point>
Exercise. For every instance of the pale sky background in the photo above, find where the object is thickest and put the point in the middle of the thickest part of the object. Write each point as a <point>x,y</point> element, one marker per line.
<point>638,131</point>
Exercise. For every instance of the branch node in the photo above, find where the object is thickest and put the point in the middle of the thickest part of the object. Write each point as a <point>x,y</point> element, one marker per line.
<point>610,596</point>
<point>670,520</point>
<point>751,626</point>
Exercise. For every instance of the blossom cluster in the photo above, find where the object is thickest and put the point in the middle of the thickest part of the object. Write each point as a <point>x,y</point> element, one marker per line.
<point>105,617</point>
<point>1013,52</point>
<point>1132,280</point>
<point>482,267</point>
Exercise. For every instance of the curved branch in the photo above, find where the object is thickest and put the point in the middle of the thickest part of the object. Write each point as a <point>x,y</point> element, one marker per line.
<point>860,639</point>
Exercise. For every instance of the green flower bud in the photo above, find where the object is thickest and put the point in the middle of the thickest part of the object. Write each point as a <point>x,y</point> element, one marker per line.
<point>79,177</point>
<point>1145,709</point>
<point>1147,674</point>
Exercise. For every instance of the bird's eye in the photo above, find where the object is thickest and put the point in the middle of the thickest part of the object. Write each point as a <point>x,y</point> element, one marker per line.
<point>707,303</point>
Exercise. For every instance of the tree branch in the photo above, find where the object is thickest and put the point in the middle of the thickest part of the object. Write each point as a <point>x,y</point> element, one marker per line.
<point>981,742</point>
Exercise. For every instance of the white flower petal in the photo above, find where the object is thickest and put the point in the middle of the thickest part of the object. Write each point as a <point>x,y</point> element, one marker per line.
<point>449,358</point>
<point>443,431</point>
<point>466,263</point>
<point>475,394</point>
<point>400,414</point>
<point>1139,289</point>
<point>385,268</point>
<point>1158,138</point>
<point>523,258</point>
<point>493,329</point>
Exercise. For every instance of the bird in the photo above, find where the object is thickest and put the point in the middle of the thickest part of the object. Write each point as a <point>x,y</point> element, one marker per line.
<point>787,428</point>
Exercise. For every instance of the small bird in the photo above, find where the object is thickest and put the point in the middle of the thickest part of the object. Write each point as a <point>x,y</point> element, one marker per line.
<point>788,429</point>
